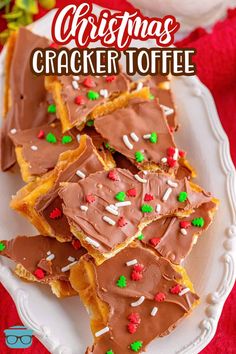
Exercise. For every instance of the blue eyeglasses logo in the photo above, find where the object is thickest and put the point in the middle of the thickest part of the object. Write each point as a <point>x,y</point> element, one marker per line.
<point>18,337</point>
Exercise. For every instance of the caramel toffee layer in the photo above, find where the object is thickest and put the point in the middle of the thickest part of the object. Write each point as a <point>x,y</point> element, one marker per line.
<point>29,99</point>
<point>82,94</point>
<point>91,204</point>
<point>141,118</point>
<point>44,253</point>
<point>88,162</point>
<point>165,236</point>
<point>42,146</point>
<point>139,310</point>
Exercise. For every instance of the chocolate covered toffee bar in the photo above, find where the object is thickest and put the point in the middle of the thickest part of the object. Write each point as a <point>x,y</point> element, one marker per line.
<point>108,210</point>
<point>132,299</point>
<point>44,260</point>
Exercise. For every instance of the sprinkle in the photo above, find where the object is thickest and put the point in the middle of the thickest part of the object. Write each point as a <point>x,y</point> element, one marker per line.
<point>164,159</point>
<point>92,95</point>
<point>75,85</point>
<point>51,138</point>
<point>120,196</point>
<point>121,282</point>
<point>140,237</point>
<point>102,331</point>
<point>90,198</point>
<point>90,123</point>
<point>52,108</point>
<point>41,134</point>
<point>34,148</point>
<point>104,93</point>
<point>182,197</point>
<point>184,224</point>
<point>111,210</point>
<point>136,346</point>
<point>113,175</point>
<point>176,154</point>
<point>158,208</point>
<point>50,257</point>
<point>55,213</point>
<point>136,276</point>
<point>146,208</point>
<point>108,147</point>
<point>171,162</point>
<point>132,328</point>
<point>154,311</point>
<point>122,204</point>
<point>131,192</point>
<point>167,194</point>
<point>88,82</point>
<point>110,352</point>
<point>138,302</point>
<point>109,220</point>
<point>68,267</point>
<point>140,179</point>
<point>160,297</point>
<point>147,136</point>
<point>171,183</point>
<point>71,259</point>
<point>76,244</point>
<point>13,131</point>
<point>134,317</point>
<point>154,241</point>
<point>49,252</point>
<point>76,78</point>
<point>198,222</point>
<point>134,137</point>
<point>182,153</point>
<point>80,174</point>
<point>151,97</point>
<point>148,197</point>
<point>153,138</point>
<point>139,86</point>
<point>171,151</point>
<point>79,100</point>
<point>66,139</point>
<point>122,222</point>
<point>83,207</point>
<point>78,137</point>
<point>139,157</point>
<point>92,242</point>
<point>184,291</point>
<point>176,289</point>
<point>183,232</point>
<point>127,142</point>
<point>139,267</point>
<point>2,246</point>
<point>110,78</point>
<point>168,111</point>
<point>39,273</point>
<point>132,262</point>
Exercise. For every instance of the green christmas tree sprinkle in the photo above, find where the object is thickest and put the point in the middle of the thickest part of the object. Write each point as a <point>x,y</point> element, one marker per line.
<point>151,97</point>
<point>92,95</point>
<point>146,208</point>
<point>198,222</point>
<point>110,352</point>
<point>121,282</point>
<point>139,157</point>
<point>153,138</point>
<point>182,197</point>
<point>51,138</point>
<point>136,346</point>
<point>140,237</point>
<point>108,147</point>
<point>120,196</point>
<point>2,246</point>
<point>66,139</point>
<point>90,123</point>
<point>52,108</point>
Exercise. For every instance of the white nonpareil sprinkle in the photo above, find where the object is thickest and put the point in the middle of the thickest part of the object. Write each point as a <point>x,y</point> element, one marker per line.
<point>111,210</point>
<point>184,291</point>
<point>138,302</point>
<point>140,179</point>
<point>78,137</point>
<point>127,142</point>
<point>109,220</point>
<point>80,174</point>
<point>122,204</point>
<point>164,159</point>
<point>168,110</point>
<point>158,208</point>
<point>84,207</point>
<point>49,252</point>
<point>75,85</point>
<point>167,194</point>
<point>34,148</point>
<point>50,257</point>
<point>145,172</point>
<point>176,154</point>
<point>154,311</point>
<point>172,183</point>
<point>130,263</point>
<point>13,131</point>
<point>183,231</point>
<point>76,78</point>
<point>104,93</point>
<point>68,267</point>
<point>92,242</point>
<point>139,86</point>
<point>147,136</point>
<point>134,137</point>
<point>71,259</point>
<point>102,331</point>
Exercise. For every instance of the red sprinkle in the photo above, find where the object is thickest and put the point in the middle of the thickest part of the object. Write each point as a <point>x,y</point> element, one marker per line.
<point>110,78</point>
<point>136,275</point>
<point>176,289</point>
<point>113,176</point>
<point>122,222</point>
<point>79,100</point>
<point>41,134</point>
<point>138,267</point>
<point>131,192</point>
<point>76,244</point>
<point>54,45</point>
<point>148,197</point>
<point>184,224</point>
<point>154,241</point>
<point>182,153</point>
<point>88,82</point>
<point>160,297</point>
<point>39,273</point>
<point>90,198</point>
<point>134,317</point>
<point>171,151</point>
<point>171,162</point>
<point>55,214</point>
<point>132,328</point>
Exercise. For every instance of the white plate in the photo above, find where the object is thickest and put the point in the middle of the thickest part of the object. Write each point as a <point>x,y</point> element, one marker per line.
<point>63,325</point>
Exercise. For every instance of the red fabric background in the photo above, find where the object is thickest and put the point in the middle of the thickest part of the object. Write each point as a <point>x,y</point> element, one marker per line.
<point>216,60</point>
